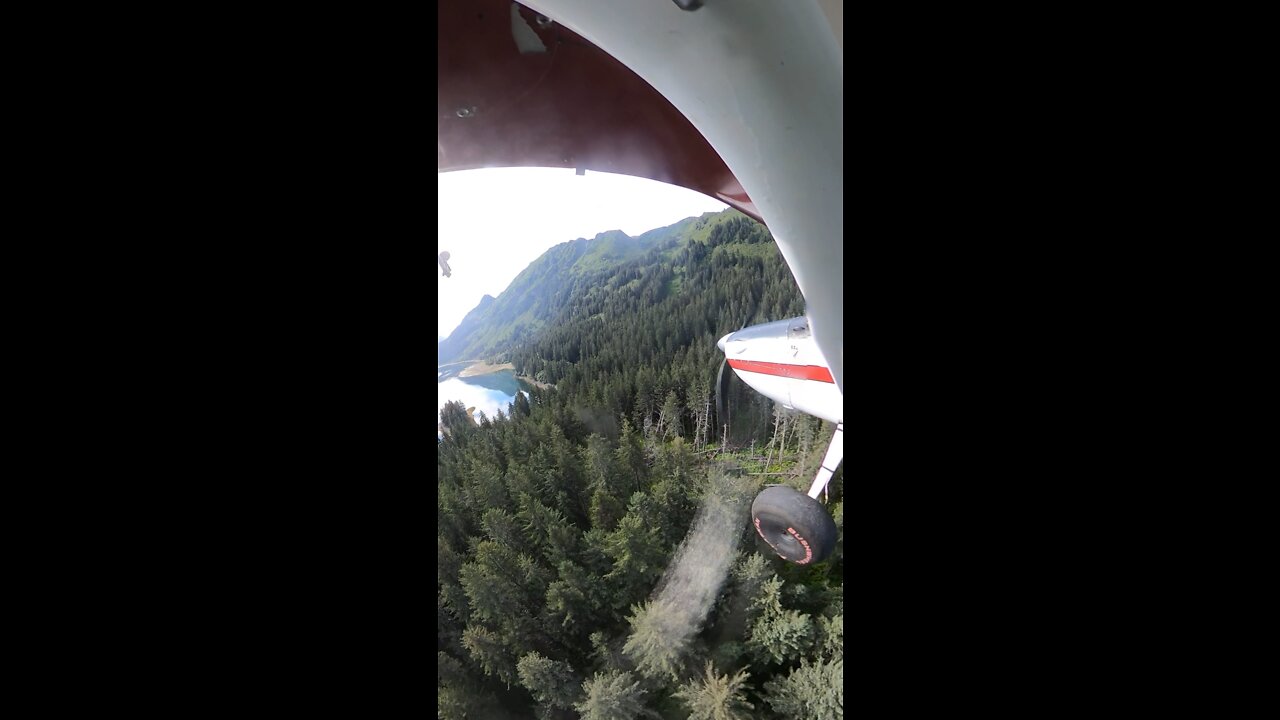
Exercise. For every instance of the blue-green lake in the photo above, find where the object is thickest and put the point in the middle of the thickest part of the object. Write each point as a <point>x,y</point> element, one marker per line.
<point>487,393</point>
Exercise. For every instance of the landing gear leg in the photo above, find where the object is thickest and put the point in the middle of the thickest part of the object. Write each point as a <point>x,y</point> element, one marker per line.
<point>835,453</point>
<point>797,526</point>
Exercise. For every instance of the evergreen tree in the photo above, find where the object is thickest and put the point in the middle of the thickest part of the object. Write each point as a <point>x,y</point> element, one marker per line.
<point>606,654</point>
<point>717,697</point>
<point>669,425</point>
<point>484,487</point>
<point>606,510</point>
<point>613,696</point>
<point>575,599</point>
<point>547,530</point>
<point>740,608</point>
<point>500,586</point>
<point>655,645</point>
<point>551,682</point>
<point>502,528</point>
<point>629,459</point>
<point>451,512</point>
<point>489,652</point>
<point>778,634</point>
<point>520,407</point>
<point>449,623</point>
<point>813,691</point>
<point>831,636</point>
<point>638,558</point>
<point>448,563</point>
<point>597,461</point>
<point>457,423</point>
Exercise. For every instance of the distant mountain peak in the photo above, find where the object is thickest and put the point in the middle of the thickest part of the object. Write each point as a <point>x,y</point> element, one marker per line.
<point>535,298</point>
<point>612,234</point>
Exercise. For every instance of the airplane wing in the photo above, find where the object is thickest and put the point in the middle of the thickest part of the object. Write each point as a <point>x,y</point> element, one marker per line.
<point>742,100</point>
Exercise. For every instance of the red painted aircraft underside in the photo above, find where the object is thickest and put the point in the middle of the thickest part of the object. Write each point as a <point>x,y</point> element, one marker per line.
<point>571,106</point>
<point>816,373</point>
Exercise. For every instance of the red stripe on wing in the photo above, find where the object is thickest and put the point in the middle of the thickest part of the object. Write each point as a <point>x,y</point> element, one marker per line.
<point>799,372</point>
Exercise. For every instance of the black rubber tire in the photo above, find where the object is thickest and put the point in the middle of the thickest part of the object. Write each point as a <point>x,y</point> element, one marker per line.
<point>795,525</point>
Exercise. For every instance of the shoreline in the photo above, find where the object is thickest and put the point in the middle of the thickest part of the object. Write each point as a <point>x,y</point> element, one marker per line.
<point>535,383</point>
<point>482,368</point>
<point>479,367</point>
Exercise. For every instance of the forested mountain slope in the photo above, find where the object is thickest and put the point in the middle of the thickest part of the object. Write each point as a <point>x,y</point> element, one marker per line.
<point>643,337</point>
<point>530,302</point>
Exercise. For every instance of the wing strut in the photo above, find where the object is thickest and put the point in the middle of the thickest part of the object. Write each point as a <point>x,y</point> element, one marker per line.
<point>835,453</point>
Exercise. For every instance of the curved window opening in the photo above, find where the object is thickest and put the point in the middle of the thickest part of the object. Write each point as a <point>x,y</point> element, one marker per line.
<point>495,226</point>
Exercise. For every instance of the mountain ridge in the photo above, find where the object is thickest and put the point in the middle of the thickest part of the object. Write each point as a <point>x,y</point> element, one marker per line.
<point>530,302</point>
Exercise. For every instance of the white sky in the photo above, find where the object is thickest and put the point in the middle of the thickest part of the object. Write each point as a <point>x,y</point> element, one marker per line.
<point>495,222</point>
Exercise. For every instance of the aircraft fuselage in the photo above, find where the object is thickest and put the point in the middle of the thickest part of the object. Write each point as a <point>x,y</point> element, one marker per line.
<point>781,361</point>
